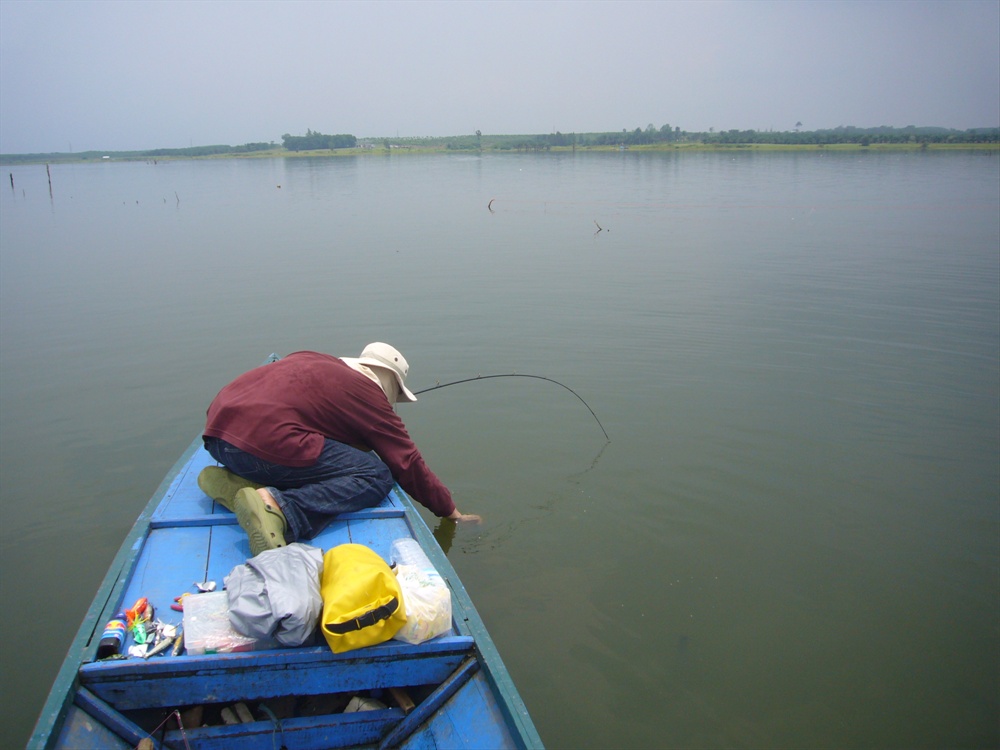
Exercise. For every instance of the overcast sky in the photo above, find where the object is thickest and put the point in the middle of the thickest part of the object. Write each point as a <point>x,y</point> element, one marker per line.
<point>83,75</point>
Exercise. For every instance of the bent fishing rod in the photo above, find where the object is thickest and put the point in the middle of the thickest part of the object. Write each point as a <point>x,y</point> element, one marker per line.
<point>518,375</point>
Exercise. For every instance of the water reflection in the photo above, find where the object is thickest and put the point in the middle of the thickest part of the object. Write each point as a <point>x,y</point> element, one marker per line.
<point>444,533</point>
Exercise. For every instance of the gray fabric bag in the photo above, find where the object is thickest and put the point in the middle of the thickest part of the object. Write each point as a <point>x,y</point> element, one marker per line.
<point>276,594</point>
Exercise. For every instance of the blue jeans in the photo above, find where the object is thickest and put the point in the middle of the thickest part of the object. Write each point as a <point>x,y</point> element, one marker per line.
<point>342,480</point>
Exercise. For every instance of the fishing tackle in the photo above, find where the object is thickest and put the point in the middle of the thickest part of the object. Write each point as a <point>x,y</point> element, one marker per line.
<point>165,637</point>
<point>165,643</point>
<point>135,611</point>
<point>138,618</point>
<point>520,375</point>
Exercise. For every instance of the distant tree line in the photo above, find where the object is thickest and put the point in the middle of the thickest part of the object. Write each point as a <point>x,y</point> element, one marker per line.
<point>673,134</point>
<point>625,138</point>
<point>314,141</point>
<point>637,137</point>
<point>850,134</point>
<point>150,154</point>
<point>246,148</point>
<point>652,134</point>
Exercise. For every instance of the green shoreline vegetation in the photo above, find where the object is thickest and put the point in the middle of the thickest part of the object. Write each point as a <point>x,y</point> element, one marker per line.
<point>315,144</point>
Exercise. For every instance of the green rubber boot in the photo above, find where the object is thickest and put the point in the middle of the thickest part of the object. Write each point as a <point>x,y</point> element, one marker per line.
<point>264,526</point>
<point>222,485</point>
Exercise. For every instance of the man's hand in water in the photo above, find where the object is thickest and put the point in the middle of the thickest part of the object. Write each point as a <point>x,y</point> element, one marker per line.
<point>465,517</point>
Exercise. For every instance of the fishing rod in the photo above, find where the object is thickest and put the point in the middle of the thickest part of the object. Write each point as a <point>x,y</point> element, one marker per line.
<point>519,375</point>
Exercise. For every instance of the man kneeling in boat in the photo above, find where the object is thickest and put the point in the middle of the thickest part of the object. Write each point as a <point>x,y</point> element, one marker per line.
<point>312,436</point>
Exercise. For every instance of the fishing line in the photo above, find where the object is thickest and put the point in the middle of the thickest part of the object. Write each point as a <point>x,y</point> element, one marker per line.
<point>519,375</point>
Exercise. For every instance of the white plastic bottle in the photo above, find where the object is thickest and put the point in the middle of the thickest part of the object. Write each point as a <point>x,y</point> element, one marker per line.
<point>407,552</point>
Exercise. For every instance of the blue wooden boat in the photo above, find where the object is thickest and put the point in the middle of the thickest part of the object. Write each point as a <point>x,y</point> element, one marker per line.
<point>461,693</point>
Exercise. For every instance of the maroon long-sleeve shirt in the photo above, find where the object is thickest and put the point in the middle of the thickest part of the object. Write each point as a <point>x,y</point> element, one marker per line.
<point>281,412</point>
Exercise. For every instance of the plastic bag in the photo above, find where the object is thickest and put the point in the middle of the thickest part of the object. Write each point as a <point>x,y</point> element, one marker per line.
<point>207,629</point>
<point>426,595</point>
<point>276,594</point>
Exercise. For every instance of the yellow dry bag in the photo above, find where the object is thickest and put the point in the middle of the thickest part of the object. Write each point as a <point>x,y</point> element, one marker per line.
<point>362,601</point>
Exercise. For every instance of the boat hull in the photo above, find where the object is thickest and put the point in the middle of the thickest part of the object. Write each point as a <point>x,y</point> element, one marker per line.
<point>461,692</point>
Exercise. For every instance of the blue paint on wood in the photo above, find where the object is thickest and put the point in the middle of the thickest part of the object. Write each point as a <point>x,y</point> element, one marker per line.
<point>470,720</point>
<point>379,536</point>
<point>360,729</point>
<point>80,731</point>
<point>109,717</point>
<point>255,683</point>
<point>433,703</point>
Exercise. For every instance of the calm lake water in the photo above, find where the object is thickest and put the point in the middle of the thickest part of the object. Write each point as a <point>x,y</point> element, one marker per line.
<point>793,536</point>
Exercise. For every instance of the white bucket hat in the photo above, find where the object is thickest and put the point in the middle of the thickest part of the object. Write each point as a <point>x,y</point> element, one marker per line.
<point>385,356</point>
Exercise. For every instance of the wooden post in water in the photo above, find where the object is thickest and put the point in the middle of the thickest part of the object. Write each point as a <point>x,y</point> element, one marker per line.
<point>47,172</point>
